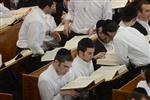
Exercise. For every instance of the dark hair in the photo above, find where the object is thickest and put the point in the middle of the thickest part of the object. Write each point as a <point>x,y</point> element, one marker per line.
<point>129,11</point>
<point>63,55</point>
<point>85,43</point>
<point>140,90</point>
<point>107,26</point>
<point>137,96</point>
<point>43,3</point>
<point>147,75</point>
<point>141,3</point>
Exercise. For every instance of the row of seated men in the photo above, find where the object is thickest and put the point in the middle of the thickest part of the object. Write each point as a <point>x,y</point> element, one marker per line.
<point>37,34</point>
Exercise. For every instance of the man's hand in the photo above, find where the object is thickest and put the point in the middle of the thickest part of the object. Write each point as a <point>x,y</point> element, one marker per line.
<point>70,93</point>
<point>67,29</point>
<point>100,55</point>
<point>56,36</point>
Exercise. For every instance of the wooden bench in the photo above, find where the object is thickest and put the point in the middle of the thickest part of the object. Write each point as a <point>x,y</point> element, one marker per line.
<point>6,96</point>
<point>122,93</point>
<point>8,39</point>
<point>129,87</point>
<point>30,81</point>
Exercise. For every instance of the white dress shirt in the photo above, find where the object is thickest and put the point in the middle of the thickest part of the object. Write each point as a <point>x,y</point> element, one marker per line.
<point>33,30</point>
<point>79,68</point>
<point>129,43</point>
<point>144,85</point>
<point>84,14</point>
<point>49,84</point>
<point>145,25</point>
<point>4,12</point>
<point>49,40</point>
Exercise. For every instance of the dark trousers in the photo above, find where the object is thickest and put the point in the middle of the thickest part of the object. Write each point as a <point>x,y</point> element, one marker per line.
<point>32,63</point>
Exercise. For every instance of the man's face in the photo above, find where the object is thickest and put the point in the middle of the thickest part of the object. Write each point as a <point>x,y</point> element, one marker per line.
<point>87,55</point>
<point>145,12</point>
<point>52,8</point>
<point>103,37</point>
<point>64,67</point>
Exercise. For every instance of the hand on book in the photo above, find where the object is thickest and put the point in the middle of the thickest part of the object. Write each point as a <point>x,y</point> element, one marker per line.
<point>100,55</point>
<point>72,93</point>
<point>56,36</point>
<point>67,29</point>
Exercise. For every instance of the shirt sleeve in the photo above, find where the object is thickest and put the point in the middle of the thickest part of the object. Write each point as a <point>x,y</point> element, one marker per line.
<point>46,91</point>
<point>121,50</point>
<point>33,37</point>
<point>107,10</point>
<point>70,13</point>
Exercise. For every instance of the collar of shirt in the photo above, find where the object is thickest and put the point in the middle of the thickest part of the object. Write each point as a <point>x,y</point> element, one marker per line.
<point>84,63</point>
<point>42,13</point>
<point>52,70</point>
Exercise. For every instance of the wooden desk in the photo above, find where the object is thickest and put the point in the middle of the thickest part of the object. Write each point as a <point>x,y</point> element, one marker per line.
<point>30,81</point>
<point>8,38</point>
<point>129,87</point>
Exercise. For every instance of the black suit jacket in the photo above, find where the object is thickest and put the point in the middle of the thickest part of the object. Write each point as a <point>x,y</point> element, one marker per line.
<point>140,28</point>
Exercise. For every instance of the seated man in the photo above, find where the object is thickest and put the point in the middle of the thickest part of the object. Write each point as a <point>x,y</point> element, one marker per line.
<point>50,81</point>
<point>145,83</point>
<point>143,17</point>
<point>129,47</point>
<point>33,31</point>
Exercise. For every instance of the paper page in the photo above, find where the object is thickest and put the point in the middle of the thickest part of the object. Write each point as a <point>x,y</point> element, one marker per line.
<point>10,62</point>
<point>59,28</point>
<point>26,53</point>
<point>50,55</point>
<point>16,14</point>
<point>118,3</point>
<point>79,83</point>
<point>109,72</point>
<point>72,44</point>
<point>110,59</point>
<point>148,37</point>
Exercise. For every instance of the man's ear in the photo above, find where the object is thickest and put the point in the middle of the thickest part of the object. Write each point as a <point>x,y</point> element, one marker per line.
<point>111,34</point>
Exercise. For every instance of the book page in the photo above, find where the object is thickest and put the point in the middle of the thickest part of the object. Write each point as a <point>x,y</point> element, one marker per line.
<point>10,62</point>
<point>72,44</point>
<point>148,37</point>
<point>79,83</point>
<point>118,3</point>
<point>59,28</point>
<point>109,72</point>
<point>110,59</point>
<point>26,53</point>
<point>50,55</point>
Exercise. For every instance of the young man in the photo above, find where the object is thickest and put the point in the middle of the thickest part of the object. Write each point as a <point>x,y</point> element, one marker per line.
<point>50,81</point>
<point>129,47</point>
<point>143,17</point>
<point>33,31</point>
<point>82,65</point>
<point>145,83</point>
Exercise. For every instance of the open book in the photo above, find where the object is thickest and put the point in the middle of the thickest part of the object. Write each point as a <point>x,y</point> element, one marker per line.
<point>21,55</point>
<point>118,3</point>
<point>59,28</point>
<point>72,44</point>
<point>110,72</point>
<point>148,37</point>
<point>83,82</point>
<point>16,15</point>
<point>110,59</point>
<point>100,75</point>
<point>50,55</point>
